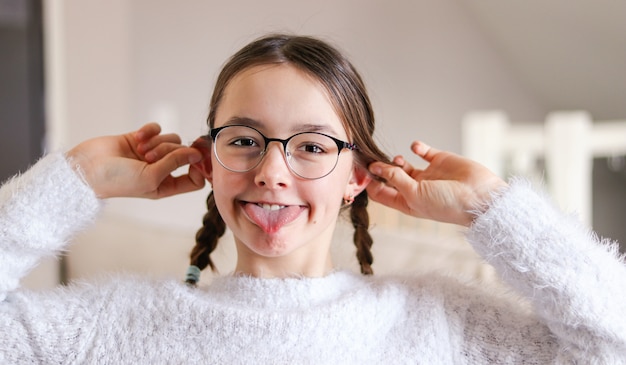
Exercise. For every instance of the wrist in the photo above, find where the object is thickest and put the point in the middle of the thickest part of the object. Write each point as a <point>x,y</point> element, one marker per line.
<point>79,164</point>
<point>485,198</point>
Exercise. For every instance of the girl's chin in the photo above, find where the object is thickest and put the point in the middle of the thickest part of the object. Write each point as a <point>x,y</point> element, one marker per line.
<point>270,249</point>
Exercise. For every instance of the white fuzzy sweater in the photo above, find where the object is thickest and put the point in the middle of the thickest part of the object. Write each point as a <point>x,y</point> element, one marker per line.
<point>576,284</point>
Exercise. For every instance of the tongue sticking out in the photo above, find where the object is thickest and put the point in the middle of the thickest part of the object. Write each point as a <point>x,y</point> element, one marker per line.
<point>272,217</point>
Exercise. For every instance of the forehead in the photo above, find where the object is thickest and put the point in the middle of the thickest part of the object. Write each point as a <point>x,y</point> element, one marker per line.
<point>280,99</point>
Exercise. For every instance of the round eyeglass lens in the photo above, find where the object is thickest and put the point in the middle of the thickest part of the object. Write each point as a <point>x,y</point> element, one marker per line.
<point>239,148</point>
<point>312,155</point>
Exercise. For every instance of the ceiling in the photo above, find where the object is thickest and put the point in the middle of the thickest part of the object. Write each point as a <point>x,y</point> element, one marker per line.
<point>570,54</point>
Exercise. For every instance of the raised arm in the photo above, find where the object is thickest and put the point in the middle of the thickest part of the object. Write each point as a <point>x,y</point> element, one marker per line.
<point>137,164</point>
<point>574,280</point>
<point>451,189</point>
<point>42,208</point>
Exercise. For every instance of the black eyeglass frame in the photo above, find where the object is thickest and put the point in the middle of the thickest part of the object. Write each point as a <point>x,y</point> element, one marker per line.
<point>341,145</point>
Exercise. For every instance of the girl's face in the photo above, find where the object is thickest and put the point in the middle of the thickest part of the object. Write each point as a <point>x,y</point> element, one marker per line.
<point>282,223</point>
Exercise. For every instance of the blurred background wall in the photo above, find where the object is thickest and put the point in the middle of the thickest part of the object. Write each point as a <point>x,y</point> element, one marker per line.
<point>113,65</point>
<point>425,62</point>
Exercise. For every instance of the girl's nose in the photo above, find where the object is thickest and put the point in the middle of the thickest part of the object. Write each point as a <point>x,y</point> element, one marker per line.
<point>272,171</point>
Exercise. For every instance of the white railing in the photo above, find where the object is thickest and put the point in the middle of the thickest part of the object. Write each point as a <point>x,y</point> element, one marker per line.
<point>559,151</point>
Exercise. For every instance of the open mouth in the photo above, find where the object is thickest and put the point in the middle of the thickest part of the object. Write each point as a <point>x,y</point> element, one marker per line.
<point>271,217</point>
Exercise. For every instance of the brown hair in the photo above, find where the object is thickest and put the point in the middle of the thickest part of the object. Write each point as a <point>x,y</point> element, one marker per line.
<point>349,97</point>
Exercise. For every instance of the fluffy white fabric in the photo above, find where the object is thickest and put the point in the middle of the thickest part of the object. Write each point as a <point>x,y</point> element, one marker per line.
<point>575,285</point>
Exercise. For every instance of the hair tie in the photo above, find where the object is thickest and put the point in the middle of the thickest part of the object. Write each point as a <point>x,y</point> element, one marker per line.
<point>193,274</point>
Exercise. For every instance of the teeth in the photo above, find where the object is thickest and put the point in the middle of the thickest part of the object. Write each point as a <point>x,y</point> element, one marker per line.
<point>271,206</point>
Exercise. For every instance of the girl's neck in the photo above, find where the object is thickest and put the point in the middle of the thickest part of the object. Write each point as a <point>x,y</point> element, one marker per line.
<point>296,264</point>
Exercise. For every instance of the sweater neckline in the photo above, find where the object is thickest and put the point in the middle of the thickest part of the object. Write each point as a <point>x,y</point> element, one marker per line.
<point>282,293</point>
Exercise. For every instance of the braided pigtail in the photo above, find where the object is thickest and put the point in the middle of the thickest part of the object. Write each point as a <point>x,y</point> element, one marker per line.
<point>213,227</point>
<point>362,239</point>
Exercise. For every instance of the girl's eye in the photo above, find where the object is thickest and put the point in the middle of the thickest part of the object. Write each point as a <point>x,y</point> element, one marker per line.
<point>312,148</point>
<point>244,142</point>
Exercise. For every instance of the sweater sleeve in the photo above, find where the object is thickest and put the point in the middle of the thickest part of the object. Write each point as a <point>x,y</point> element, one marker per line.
<point>39,211</point>
<point>575,281</point>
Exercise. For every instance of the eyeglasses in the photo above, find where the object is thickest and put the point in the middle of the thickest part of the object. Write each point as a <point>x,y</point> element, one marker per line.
<point>309,155</point>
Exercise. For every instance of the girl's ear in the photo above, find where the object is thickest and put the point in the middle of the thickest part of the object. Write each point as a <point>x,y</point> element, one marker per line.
<point>204,166</point>
<point>358,181</point>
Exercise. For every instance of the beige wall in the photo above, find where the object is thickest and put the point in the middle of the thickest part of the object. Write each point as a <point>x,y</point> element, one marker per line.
<point>122,63</point>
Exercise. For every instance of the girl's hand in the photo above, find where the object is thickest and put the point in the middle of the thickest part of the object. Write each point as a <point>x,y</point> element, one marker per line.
<point>451,189</point>
<point>137,164</point>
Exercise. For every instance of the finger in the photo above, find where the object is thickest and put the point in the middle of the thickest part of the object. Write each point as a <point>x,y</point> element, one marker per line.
<point>407,167</point>
<point>423,150</point>
<point>202,143</point>
<point>163,167</point>
<point>384,194</point>
<point>146,132</point>
<point>160,151</point>
<point>155,141</point>
<point>395,177</point>
<point>400,161</point>
<point>179,185</point>
<point>196,175</point>
<point>379,191</point>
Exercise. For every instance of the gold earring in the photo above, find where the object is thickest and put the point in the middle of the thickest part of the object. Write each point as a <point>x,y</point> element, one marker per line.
<point>348,200</point>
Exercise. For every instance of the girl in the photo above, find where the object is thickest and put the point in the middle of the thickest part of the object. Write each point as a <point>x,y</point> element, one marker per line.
<point>290,145</point>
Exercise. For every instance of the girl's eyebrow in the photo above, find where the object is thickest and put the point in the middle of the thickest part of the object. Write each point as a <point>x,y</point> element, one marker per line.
<point>244,121</point>
<point>310,127</point>
<point>298,128</point>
